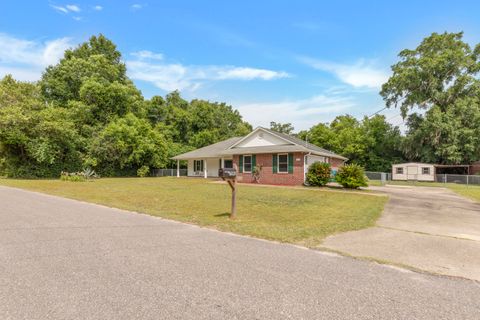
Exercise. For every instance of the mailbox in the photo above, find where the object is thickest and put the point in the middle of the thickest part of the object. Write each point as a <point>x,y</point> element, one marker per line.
<point>227,173</point>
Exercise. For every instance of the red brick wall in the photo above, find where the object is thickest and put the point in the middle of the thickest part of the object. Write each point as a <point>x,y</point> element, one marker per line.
<point>268,177</point>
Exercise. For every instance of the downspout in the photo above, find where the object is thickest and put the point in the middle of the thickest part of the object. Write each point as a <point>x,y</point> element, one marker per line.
<point>304,172</point>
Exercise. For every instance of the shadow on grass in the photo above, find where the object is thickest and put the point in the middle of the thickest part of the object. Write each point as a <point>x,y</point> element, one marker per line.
<point>225,214</point>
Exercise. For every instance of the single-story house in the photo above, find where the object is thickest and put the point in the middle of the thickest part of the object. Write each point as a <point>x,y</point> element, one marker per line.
<point>284,159</point>
<point>413,171</point>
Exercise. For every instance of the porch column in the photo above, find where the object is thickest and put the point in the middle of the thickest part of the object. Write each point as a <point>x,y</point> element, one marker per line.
<point>205,169</point>
<point>223,163</point>
<point>178,168</point>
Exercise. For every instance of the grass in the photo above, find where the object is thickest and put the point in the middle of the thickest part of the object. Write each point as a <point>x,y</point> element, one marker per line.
<point>469,191</point>
<point>302,216</point>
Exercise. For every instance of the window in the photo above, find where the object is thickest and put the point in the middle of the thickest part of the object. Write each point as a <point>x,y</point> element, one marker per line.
<point>399,170</point>
<point>426,170</point>
<point>247,163</point>
<point>228,164</point>
<point>283,163</point>
<point>197,165</point>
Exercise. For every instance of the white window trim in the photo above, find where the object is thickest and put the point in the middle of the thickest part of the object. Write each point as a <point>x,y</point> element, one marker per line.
<point>396,170</point>
<point>195,167</point>
<point>428,168</point>
<point>278,163</point>
<point>251,163</point>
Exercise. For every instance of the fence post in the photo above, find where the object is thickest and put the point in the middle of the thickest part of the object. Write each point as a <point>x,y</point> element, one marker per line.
<point>467,179</point>
<point>444,178</point>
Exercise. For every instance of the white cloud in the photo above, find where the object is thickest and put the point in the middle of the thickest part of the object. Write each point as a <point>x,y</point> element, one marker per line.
<point>68,9</point>
<point>151,67</point>
<point>98,8</point>
<point>360,74</point>
<point>244,73</point>
<point>136,6</point>
<point>59,8</point>
<point>145,54</point>
<point>25,59</point>
<point>73,7</point>
<point>302,113</point>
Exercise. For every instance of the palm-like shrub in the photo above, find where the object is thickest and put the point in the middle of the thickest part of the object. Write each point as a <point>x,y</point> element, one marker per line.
<point>318,174</point>
<point>351,176</point>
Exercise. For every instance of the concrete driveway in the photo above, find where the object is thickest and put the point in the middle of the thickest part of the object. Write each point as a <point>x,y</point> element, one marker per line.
<point>64,259</point>
<point>432,229</point>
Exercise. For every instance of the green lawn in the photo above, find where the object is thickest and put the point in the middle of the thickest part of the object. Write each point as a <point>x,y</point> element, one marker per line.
<point>301,216</point>
<point>469,191</point>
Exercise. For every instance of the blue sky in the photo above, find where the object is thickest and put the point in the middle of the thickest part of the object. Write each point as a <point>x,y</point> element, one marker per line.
<point>302,62</point>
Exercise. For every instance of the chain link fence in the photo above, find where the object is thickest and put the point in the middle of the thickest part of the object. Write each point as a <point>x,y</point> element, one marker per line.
<point>441,178</point>
<point>378,175</point>
<point>168,172</point>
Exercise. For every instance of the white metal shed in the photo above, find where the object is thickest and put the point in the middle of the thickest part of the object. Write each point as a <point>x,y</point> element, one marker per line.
<point>413,171</point>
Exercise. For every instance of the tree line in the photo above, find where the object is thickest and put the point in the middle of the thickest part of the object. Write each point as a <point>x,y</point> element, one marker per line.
<point>85,112</point>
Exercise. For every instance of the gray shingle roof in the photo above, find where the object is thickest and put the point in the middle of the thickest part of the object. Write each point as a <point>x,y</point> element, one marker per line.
<point>222,148</point>
<point>265,149</point>
<point>211,151</point>
<point>309,146</point>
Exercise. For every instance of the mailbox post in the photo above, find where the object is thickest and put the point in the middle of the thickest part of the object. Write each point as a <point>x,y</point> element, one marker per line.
<point>230,175</point>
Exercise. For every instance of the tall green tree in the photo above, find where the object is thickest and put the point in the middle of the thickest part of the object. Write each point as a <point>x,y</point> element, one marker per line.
<point>286,128</point>
<point>36,139</point>
<point>372,143</point>
<point>85,112</point>
<point>126,144</point>
<point>440,76</point>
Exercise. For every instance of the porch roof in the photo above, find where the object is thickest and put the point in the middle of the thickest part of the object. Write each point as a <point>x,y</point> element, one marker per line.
<point>212,151</point>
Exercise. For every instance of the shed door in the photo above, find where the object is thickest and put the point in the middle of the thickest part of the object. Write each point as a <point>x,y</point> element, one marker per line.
<point>412,172</point>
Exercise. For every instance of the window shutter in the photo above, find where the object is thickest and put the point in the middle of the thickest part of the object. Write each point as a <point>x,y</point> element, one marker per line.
<point>202,165</point>
<point>254,161</point>
<point>240,160</point>
<point>290,163</point>
<point>274,163</point>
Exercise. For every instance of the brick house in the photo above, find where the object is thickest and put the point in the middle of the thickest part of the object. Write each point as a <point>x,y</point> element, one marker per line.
<point>282,159</point>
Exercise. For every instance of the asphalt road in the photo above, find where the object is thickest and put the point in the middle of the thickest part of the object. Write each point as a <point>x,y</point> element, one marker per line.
<point>63,259</point>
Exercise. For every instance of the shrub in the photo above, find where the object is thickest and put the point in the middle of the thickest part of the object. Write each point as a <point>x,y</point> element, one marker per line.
<point>318,174</point>
<point>85,175</point>
<point>72,176</point>
<point>143,171</point>
<point>257,172</point>
<point>351,176</point>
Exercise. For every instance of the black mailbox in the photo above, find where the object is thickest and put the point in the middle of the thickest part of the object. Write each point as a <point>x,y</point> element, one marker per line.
<point>228,173</point>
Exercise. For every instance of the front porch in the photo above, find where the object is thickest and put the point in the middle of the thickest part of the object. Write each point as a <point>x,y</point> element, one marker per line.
<point>206,167</point>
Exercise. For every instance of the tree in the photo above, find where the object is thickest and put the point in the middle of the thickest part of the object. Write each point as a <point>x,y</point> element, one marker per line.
<point>36,140</point>
<point>441,70</point>
<point>196,123</point>
<point>85,112</point>
<point>440,76</point>
<point>286,128</point>
<point>383,144</point>
<point>126,145</point>
<point>96,59</point>
<point>372,142</point>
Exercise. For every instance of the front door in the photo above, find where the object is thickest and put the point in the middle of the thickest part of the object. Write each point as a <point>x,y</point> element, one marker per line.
<point>412,172</point>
